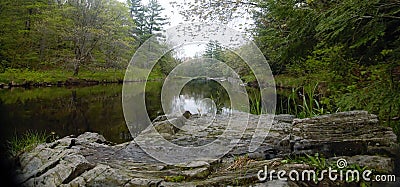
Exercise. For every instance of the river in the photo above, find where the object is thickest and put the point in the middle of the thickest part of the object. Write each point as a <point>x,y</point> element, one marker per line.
<point>66,111</point>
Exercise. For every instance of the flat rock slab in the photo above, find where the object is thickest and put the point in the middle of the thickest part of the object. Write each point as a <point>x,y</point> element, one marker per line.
<point>89,160</point>
<point>343,134</point>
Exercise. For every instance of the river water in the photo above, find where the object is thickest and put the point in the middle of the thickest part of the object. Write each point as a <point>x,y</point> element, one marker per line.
<point>71,111</point>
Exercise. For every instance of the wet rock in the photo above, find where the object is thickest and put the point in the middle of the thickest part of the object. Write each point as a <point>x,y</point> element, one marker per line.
<point>170,126</point>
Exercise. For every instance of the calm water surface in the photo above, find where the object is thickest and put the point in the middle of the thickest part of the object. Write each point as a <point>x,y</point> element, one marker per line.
<point>67,111</point>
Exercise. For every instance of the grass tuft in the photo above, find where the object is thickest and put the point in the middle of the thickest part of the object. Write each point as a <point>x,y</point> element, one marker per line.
<point>19,144</point>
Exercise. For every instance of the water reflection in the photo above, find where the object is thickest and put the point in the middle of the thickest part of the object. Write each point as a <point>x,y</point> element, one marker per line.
<point>193,105</point>
<point>200,96</point>
<point>196,105</point>
<point>67,111</point>
<point>64,111</point>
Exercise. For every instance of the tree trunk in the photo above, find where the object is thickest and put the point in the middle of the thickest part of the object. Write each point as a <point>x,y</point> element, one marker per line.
<point>76,68</point>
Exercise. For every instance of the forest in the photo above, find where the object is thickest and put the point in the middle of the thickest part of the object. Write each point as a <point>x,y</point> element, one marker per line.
<point>333,55</point>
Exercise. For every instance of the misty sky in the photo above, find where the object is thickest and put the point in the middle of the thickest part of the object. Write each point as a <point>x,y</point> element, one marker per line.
<point>175,19</point>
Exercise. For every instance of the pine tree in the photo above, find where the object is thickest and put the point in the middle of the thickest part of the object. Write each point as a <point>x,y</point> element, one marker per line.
<point>138,14</point>
<point>213,50</point>
<point>155,20</point>
<point>148,19</point>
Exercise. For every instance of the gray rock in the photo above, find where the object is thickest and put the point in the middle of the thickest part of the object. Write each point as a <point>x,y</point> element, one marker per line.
<point>346,133</point>
<point>197,173</point>
<point>196,164</point>
<point>171,126</point>
<point>286,118</point>
<point>91,137</point>
<point>165,127</point>
<point>141,182</point>
<point>88,160</point>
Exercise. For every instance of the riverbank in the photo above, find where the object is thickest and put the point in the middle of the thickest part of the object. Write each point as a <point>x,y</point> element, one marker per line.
<point>48,78</point>
<point>89,159</point>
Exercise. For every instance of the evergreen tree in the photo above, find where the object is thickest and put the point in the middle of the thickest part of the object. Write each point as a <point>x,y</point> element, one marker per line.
<point>155,20</point>
<point>138,14</point>
<point>148,19</point>
<point>213,50</point>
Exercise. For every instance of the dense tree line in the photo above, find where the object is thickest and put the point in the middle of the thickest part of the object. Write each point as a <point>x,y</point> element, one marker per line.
<point>44,34</point>
<point>69,34</point>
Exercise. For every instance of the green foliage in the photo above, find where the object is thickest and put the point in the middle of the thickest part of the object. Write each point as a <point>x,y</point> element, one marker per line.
<point>255,102</point>
<point>376,92</point>
<point>178,178</point>
<point>285,32</point>
<point>355,50</point>
<point>234,61</point>
<point>47,34</point>
<point>21,76</point>
<point>305,102</point>
<point>26,142</point>
<point>167,63</point>
<point>317,35</point>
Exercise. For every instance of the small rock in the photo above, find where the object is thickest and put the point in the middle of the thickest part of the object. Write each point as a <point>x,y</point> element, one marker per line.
<point>165,127</point>
<point>91,137</point>
<point>187,114</point>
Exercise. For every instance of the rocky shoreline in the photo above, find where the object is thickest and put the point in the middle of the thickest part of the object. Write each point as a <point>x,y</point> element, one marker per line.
<point>90,160</point>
